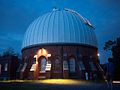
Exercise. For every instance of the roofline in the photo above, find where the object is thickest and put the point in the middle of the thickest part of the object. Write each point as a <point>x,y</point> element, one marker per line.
<point>58,44</point>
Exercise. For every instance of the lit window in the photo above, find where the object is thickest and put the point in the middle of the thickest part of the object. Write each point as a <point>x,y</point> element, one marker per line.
<point>43,65</point>
<point>92,66</point>
<point>81,66</point>
<point>72,64</point>
<point>24,67</point>
<point>33,68</point>
<point>0,68</point>
<point>6,67</point>
<point>48,66</point>
<point>65,65</point>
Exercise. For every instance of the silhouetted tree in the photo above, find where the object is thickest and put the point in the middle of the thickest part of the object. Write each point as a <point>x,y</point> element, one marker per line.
<point>114,46</point>
<point>9,52</point>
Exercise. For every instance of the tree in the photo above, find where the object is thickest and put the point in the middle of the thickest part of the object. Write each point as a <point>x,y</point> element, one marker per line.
<point>114,47</point>
<point>9,52</point>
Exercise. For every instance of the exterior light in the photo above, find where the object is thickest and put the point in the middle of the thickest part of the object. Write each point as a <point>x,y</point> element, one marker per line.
<point>39,52</point>
<point>98,54</point>
<point>35,56</point>
<point>44,52</point>
<point>48,55</point>
<point>118,82</point>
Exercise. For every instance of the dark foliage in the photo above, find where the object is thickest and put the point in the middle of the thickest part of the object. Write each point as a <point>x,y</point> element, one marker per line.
<point>114,46</point>
<point>8,52</point>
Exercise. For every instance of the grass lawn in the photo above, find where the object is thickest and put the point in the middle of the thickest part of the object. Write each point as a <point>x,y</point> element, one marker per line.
<point>47,84</point>
<point>23,86</point>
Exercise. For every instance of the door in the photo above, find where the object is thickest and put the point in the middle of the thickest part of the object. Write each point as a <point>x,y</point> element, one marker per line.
<point>42,67</point>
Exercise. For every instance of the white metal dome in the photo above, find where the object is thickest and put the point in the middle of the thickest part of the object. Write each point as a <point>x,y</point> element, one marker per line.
<point>60,27</point>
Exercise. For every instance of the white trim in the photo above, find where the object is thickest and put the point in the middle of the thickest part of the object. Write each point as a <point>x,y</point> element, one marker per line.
<point>42,71</point>
<point>33,67</point>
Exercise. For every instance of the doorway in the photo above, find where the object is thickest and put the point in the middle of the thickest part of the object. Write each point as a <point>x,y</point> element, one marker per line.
<point>41,67</point>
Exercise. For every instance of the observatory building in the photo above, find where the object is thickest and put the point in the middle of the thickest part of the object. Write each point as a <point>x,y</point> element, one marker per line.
<point>60,44</point>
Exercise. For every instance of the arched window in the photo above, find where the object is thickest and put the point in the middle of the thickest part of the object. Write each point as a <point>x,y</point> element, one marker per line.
<point>57,65</point>
<point>81,65</point>
<point>43,65</point>
<point>0,68</point>
<point>72,65</point>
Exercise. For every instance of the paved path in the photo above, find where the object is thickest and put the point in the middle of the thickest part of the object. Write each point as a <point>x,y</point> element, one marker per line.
<point>40,86</point>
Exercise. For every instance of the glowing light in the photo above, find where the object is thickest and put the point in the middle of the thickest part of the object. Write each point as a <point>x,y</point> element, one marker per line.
<point>62,81</point>
<point>48,55</point>
<point>44,52</point>
<point>35,56</point>
<point>116,81</point>
<point>39,52</point>
<point>36,62</point>
<point>51,81</point>
<point>98,54</point>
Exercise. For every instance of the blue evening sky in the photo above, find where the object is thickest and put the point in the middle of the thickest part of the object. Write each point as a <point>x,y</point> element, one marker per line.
<point>16,15</point>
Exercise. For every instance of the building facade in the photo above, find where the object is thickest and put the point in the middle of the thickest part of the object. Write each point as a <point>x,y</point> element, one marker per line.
<point>60,44</point>
<point>8,67</point>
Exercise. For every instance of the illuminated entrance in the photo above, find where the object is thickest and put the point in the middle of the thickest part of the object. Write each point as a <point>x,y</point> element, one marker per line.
<point>42,67</point>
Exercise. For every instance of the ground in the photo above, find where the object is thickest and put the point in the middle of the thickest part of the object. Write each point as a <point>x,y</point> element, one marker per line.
<point>55,84</point>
